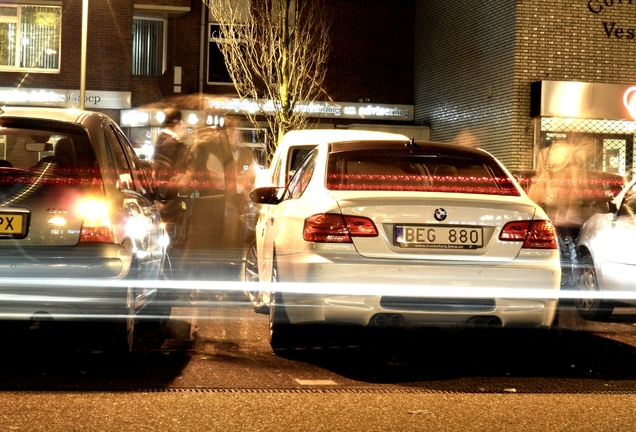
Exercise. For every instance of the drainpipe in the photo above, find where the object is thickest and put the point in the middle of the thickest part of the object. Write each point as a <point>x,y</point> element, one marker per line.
<point>204,9</point>
<point>83,55</point>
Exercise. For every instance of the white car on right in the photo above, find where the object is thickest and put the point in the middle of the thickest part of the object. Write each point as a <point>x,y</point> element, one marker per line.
<point>606,261</point>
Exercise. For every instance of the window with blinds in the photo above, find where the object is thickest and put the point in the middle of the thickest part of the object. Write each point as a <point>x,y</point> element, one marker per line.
<point>147,47</point>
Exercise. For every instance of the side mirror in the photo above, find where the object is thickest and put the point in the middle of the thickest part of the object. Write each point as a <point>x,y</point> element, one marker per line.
<point>266,195</point>
<point>602,206</point>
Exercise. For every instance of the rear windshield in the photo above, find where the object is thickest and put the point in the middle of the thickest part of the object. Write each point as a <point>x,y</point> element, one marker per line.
<point>45,146</point>
<point>403,171</point>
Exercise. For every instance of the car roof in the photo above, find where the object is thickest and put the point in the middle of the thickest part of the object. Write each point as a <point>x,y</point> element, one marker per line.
<point>427,147</point>
<point>68,115</point>
<point>319,136</point>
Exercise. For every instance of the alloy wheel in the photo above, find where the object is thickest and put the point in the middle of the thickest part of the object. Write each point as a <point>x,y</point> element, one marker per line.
<point>590,307</point>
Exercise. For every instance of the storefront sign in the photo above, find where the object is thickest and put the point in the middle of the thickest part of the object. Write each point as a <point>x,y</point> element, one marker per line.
<point>611,28</point>
<point>64,98</point>
<point>348,110</point>
<point>583,100</point>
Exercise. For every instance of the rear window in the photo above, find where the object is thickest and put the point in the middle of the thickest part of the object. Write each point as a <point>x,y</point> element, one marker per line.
<point>28,145</point>
<point>393,170</point>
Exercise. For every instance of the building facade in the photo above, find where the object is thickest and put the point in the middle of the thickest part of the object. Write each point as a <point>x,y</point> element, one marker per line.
<point>512,77</point>
<point>146,54</point>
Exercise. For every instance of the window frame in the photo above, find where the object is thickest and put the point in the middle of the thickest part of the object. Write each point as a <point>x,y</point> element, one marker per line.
<point>18,39</point>
<point>302,177</point>
<point>214,40</point>
<point>164,42</point>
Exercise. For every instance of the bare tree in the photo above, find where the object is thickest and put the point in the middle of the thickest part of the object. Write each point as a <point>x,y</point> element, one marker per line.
<point>276,54</point>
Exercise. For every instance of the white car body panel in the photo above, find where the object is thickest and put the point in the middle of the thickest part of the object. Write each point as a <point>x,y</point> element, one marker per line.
<point>610,238</point>
<point>278,172</point>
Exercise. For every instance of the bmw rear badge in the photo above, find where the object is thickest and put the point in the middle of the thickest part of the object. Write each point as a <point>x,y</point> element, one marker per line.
<point>440,214</point>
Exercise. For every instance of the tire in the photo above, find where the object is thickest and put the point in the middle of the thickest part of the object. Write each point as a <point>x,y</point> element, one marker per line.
<point>592,309</point>
<point>280,329</point>
<point>158,312</point>
<point>124,336</point>
<point>569,260</point>
<point>250,274</point>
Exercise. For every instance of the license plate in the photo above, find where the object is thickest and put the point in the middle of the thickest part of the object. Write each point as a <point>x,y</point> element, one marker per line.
<point>438,237</point>
<point>12,224</point>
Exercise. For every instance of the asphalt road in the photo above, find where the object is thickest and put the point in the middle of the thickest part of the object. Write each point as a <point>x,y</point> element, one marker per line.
<point>212,369</point>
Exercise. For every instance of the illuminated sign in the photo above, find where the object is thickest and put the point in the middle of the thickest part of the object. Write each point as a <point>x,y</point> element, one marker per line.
<point>64,98</point>
<point>629,100</point>
<point>349,110</point>
<point>567,99</point>
<point>154,117</point>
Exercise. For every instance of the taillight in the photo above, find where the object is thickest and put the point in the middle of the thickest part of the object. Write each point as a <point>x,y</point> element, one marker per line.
<point>534,234</point>
<point>336,228</point>
<point>96,226</point>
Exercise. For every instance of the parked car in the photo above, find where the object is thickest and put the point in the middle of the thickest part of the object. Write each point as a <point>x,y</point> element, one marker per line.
<point>607,265</point>
<point>78,227</point>
<point>568,199</point>
<point>404,234</point>
<point>597,185</point>
<point>288,156</point>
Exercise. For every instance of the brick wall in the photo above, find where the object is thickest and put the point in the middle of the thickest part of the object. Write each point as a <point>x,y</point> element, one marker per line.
<point>109,43</point>
<point>572,40</point>
<point>372,54</point>
<point>475,61</point>
<point>183,43</point>
<point>464,64</point>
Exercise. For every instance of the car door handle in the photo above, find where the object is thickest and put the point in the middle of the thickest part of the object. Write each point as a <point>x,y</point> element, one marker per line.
<point>271,221</point>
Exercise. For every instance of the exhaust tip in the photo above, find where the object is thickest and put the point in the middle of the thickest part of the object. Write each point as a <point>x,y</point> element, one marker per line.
<point>41,316</point>
<point>388,320</point>
<point>396,321</point>
<point>484,323</point>
<point>381,321</point>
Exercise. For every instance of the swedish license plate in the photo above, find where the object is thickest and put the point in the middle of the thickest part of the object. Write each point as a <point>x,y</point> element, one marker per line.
<point>438,237</point>
<point>12,224</point>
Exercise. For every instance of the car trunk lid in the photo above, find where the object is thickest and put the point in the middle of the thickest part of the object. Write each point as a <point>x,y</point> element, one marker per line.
<point>432,226</point>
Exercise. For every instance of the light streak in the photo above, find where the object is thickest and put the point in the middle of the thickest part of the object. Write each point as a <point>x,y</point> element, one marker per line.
<point>66,285</point>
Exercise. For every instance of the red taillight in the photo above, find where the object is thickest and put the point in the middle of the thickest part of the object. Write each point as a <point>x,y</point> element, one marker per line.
<point>534,234</point>
<point>96,226</point>
<point>336,228</point>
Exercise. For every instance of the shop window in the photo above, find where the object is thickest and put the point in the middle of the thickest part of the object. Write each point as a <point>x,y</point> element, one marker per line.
<point>614,155</point>
<point>148,47</point>
<point>30,37</point>
<point>610,144</point>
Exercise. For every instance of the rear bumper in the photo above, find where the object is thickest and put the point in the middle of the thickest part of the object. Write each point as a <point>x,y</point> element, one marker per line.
<point>89,282</point>
<point>420,293</point>
<point>90,260</point>
<point>368,311</point>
